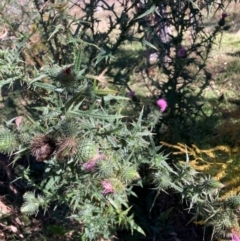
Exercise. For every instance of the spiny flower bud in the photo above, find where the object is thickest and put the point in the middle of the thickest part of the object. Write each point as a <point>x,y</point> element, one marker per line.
<point>221,22</point>
<point>132,95</point>
<point>88,149</point>
<point>224,15</point>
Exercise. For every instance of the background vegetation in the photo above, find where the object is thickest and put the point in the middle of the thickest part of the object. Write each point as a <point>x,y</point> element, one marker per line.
<point>119,120</point>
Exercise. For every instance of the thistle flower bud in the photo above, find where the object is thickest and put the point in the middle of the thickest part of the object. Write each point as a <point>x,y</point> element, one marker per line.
<point>224,15</point>
<point>87,150</point>
<point>221,22</point>
<point>131,94</point>
<point>181,53</point>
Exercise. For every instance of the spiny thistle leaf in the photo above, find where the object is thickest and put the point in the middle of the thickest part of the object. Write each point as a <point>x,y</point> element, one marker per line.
<point>80,113</point>
<point>44,86</point>
<point>77,97</point>
<point>30,208</point>
<point>159,162</point>
<point>41,200</point>
<point>29,196</point>
<point>31,203</point>
<point>52,114</point>
<point>8,141</point>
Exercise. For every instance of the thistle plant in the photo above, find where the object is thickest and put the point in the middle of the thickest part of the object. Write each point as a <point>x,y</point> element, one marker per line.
<point>176,34</point>
<point>93,157</point>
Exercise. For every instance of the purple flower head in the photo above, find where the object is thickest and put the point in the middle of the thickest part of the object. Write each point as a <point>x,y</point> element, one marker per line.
<point>131,94</point>
<point>182,52</point>
<point>90,165</point>
<point>224,15</point>
<point>107,187</point>
<point>235,237</point>
<point>162,104</point>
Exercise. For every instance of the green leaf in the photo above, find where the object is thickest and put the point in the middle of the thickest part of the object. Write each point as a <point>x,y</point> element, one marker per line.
<point>104,92</point>
<point>57,230</point>
<point>194,4</point>
<point>149,11</point>
<point>165,215</point>
<point>57,28</point>
<point>80,113</point>
<point>115,204</point>
<point>8,81</point>
<point>75,98</point>
<point>114,97</point>
<point>145,42</point>
<point>35,123</point>
<point>38,78</point>
<point>44,86</point>
<point>136,227</point>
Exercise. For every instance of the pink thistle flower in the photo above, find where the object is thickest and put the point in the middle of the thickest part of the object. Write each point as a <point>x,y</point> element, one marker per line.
<point>182,52</point>
<point>91,164</point>
<point>235,237</point>
<point>221,22</point>
<point>162,104</point>
<point>108,188</point>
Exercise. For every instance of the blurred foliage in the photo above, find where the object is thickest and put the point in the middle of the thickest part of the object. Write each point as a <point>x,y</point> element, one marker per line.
<point>222,164</point>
